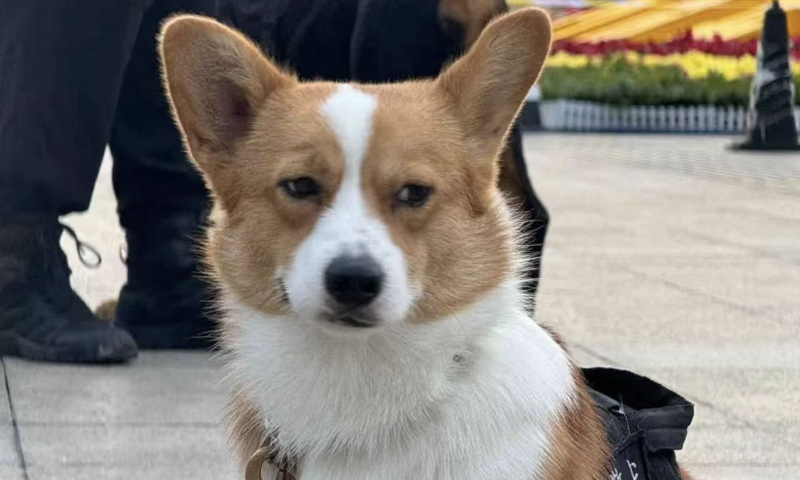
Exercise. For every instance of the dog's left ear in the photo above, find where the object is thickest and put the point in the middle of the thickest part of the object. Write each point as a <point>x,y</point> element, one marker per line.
<point>216,80</point>
<point>490,82</point>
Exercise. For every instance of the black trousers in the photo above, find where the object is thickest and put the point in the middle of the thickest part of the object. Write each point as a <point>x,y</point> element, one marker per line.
<point>76,75</point>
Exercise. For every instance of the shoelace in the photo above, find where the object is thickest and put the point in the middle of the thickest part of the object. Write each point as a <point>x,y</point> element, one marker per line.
<point>88,255</point>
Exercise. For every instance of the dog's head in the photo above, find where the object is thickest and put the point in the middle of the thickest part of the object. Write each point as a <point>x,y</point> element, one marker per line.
<point>353,205</point>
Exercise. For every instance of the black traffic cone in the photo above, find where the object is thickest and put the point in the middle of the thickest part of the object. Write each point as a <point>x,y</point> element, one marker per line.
<point>770,121</point>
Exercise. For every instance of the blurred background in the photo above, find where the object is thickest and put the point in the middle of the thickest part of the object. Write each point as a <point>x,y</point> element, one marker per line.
<point>691,62</point>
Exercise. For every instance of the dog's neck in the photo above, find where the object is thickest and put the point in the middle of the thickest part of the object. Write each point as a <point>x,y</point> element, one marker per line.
<point>472,396</point>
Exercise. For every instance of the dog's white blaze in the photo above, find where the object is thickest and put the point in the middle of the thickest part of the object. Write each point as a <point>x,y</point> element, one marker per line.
<point>348,227</point>
<point>348,112</point>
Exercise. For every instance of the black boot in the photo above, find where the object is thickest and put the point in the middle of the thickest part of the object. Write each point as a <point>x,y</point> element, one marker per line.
<point>41,317</point>
<point>166,300</point>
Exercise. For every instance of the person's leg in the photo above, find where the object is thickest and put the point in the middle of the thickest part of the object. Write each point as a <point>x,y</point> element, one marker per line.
<point>162,202</point>
<point>397,40</point>
<point>309,37</point>
<point>62,69</point>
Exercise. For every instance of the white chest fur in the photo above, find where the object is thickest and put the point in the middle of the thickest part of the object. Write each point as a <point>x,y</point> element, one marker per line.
<point>471,397</point>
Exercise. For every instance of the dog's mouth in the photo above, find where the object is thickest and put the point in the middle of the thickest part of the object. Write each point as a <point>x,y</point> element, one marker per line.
<point>358,318</point>
<point>348,319</point>
<point>284,292</point>
<point>352,320</point>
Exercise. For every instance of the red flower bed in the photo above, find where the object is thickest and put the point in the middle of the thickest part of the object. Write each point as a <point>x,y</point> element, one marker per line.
<point>682,44</point>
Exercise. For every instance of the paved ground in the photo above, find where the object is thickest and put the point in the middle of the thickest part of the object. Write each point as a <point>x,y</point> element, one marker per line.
<point>667,255</point>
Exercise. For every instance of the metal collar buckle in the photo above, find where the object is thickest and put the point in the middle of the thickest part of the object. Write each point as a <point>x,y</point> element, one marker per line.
<point>255,466</point>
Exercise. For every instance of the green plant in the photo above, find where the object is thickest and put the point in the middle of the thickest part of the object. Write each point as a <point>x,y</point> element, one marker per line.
<point>617,81</point>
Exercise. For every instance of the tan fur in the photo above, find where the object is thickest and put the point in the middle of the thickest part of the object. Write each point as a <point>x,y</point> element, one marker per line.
<point>246,425</point>
<point>489,92</point>
<point>258,233</point>
<point>580,450</point>
<point>248,126</point>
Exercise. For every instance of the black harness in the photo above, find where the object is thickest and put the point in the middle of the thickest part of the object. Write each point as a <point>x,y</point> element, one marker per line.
<point>645,422</point>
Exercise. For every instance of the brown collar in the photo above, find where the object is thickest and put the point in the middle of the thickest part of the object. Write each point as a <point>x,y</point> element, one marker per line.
<point>256,463</point>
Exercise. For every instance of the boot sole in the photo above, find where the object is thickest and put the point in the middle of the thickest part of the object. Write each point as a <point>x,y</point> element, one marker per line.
<point>13,345</point>
<point>161,336</point>
<point>177,335</point>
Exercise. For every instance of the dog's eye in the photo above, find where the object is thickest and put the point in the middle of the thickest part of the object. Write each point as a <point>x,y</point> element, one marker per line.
<point>300,188</point>
<point>414,195</point>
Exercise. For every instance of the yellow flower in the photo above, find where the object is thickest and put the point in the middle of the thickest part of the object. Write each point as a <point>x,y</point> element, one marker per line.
<point>568,60</point>
<point>695,64</point>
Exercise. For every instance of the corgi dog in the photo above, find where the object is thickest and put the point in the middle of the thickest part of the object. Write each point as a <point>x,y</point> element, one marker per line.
<point>373,315</point>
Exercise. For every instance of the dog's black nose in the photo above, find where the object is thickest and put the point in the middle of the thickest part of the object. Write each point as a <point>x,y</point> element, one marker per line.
<point>353,281</point>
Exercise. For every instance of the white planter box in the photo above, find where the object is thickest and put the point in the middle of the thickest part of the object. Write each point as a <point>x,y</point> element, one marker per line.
<point>573,115</point>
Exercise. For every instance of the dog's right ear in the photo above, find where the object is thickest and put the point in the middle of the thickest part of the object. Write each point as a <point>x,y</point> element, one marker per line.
<point>216,80</point>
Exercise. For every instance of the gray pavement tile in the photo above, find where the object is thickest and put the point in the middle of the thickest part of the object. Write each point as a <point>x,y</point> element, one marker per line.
<point>742,447</point>
<point>193,471</point>
<point>746,472</point>
<point>8,447</point>
<point>179,450</point>
<point>765,233</point>
<point>158,388</point>
<point>705,416</point>
<point>9,460</point>
<point>766,285</point>
<point>590,235</point>
<point>792,434</point>
<point>5,406</point>
<point>668,205</point>
<point>686,159</point>
<point>713,358</point>
<point>10,472</point>
<point>585,358</point>
<point>778,207</point>
<point>613,311</point>
<point>766,398</point>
